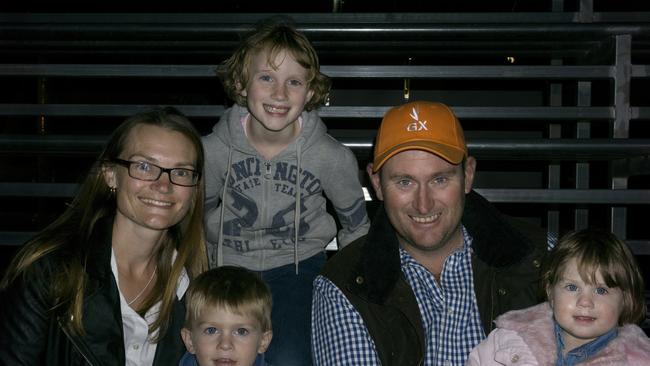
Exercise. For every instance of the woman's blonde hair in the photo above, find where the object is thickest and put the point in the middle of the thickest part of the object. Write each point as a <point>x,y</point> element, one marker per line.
<point>600,251</point>
<point>274,36</point>
<point>68,236</point>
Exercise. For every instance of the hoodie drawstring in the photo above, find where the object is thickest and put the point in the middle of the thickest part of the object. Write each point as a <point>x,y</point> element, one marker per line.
<point>223,210</point>
<point>296,218</point>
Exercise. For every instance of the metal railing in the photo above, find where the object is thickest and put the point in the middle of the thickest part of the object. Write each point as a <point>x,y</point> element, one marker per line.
<point>577,56</point>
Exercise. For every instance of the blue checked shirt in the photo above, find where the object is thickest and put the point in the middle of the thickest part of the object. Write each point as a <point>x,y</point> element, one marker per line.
<point>450,316</point>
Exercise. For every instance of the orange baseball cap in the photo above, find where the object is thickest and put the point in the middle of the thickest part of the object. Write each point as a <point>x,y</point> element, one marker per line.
<point>420,125</point>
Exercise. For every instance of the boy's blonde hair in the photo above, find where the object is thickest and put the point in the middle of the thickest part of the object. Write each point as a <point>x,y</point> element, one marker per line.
<point>274,35</point>
<point>598,250</point>
<point>233,289</point>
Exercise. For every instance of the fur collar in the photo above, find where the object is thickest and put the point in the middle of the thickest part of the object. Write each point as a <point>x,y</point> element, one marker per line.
<point>490,229</point>
<point>535,326</point>
<point>380,263</point>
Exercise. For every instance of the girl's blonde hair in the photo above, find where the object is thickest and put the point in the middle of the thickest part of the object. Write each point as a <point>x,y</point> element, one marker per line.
<point>274,36</point>
<point>600,251</point>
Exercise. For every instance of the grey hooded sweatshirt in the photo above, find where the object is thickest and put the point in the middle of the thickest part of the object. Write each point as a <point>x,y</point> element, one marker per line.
<point>259,204</point>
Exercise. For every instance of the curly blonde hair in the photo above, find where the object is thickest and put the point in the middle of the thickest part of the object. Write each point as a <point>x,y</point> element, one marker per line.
<point>274,36</point>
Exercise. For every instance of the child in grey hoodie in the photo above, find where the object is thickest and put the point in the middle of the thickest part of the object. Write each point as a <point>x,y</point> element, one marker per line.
<point>269,165</point>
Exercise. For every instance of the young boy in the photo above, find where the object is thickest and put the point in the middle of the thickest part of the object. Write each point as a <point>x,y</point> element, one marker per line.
<point>269,165</point>
<point>228,319</point>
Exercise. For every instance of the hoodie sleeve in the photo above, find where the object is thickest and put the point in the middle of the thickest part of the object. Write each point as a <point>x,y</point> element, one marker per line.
<point>215,164</point>
<point>343,189</point>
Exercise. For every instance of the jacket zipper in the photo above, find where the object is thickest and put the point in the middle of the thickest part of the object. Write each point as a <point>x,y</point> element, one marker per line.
<point>74,343</point>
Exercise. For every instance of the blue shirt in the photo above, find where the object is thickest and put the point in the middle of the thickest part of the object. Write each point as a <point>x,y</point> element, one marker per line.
<point>450,317</point>
<point>579,354</point>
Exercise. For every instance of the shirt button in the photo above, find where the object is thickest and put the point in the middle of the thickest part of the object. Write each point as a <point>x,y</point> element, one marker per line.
<point>536,263</point>
<point>136,347</point>
<point>450,311</point>
<point>359,280</point>
<point>514,359</point>
<point>502,291</point>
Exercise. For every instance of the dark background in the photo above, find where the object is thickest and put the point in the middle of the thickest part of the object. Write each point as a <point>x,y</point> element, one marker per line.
<point>206,37</point>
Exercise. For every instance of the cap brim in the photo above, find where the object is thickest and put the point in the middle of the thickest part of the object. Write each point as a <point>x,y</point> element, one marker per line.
<point>450,153</point>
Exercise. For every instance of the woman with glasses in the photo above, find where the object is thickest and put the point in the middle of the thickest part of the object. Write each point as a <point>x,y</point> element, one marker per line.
<point>102,285</point>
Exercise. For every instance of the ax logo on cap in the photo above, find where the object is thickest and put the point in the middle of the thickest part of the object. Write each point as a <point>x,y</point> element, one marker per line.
<point>417,125</point>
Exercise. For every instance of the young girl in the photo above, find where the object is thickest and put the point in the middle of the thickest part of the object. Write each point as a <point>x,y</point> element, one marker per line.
<point>270,165</point>
<point>595,295</point>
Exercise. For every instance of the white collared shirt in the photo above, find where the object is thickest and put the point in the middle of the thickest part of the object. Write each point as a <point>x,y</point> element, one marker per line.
<point>138,349</point>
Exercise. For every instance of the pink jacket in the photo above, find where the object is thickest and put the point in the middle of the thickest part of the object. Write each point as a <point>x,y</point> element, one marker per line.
<point>526,338</point>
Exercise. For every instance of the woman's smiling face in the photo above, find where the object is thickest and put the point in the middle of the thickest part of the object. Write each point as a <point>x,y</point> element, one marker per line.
<point>159,204</point>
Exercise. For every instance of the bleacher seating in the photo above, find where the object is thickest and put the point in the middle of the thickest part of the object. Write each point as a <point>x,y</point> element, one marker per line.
<point>554,102</point>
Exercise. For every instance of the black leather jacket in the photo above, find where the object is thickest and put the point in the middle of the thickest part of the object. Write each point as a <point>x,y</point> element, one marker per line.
<point>32,335</point>
<point>506,260</point>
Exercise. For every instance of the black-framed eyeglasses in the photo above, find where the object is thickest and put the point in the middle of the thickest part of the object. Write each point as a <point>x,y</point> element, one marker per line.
<point>144,170</point>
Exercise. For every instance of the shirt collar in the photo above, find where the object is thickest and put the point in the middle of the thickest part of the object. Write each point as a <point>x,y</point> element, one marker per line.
<point>583,352</point>
<point>407,259</point>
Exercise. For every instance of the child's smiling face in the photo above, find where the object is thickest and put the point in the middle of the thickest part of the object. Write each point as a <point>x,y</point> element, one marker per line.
<point>277,95</point>
<point>221,337</point>
<point>583,310</point>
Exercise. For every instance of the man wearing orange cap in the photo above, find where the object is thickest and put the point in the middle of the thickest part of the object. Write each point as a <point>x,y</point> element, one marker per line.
<point>439,263</point>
